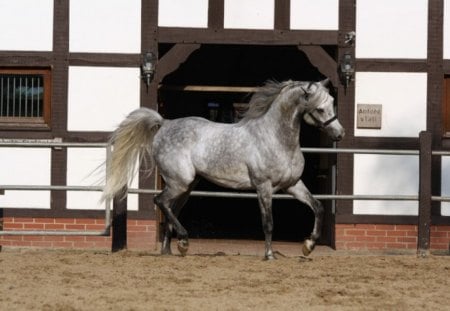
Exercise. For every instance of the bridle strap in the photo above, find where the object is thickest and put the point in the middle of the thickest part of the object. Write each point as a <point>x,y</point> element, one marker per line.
<point>323,124</point>
<point>329,121</point>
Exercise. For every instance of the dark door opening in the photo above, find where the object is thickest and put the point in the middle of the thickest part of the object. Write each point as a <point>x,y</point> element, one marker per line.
<point>225,65</point>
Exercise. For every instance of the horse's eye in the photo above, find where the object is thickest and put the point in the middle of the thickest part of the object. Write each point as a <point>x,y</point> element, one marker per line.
<point>320,110</point>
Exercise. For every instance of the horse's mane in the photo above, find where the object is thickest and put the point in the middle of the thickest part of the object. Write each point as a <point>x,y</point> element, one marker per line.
<point>263,98</point>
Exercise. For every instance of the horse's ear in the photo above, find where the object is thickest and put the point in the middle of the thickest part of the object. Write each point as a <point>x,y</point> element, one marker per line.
<point>325,82</point>
<point>305,94</point>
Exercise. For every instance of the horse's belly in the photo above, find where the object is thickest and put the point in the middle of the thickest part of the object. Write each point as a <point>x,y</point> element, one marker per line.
<point>229,176</point>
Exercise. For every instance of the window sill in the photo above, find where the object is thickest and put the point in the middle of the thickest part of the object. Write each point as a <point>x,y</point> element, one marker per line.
<point>24,125</point>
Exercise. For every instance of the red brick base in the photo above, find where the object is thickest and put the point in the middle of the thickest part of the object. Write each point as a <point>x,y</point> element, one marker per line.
<point>383,237</point>
<point>141,234</point>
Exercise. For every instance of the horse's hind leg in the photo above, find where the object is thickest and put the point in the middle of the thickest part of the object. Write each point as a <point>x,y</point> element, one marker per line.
<point>165,200</point>
<point>265,203</point>
<point>301,193</point>
<point>176,208</point>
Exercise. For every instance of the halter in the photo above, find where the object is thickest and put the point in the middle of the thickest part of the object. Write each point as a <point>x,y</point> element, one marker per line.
<point>321,124</point>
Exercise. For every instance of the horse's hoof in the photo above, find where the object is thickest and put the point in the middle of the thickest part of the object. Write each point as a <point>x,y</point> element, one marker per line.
<point>269,257</point>
<point>183,246</point>
<point>308,247</point>
<point>166,252</point>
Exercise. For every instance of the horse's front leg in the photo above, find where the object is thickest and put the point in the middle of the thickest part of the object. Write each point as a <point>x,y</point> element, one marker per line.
<point>301,193</point>
<point>167,239</point>
<point>265,204</point>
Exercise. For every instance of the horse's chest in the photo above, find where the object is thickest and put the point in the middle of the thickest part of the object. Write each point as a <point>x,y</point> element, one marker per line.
<point>289,169</point>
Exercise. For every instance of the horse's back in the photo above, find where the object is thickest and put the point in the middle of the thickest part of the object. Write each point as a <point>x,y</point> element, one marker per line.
<point>184,133</point>
<point>196,146</point>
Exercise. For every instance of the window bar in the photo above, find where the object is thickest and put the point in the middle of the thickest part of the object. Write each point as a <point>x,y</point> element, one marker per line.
<point>20,97</point>
<point>1,97</point>
<point>38,91</point>
<point>26,94</point>
<point>7,96</point>
<point>14,96</point>
<point>25,104</point>
<point>32,97</point>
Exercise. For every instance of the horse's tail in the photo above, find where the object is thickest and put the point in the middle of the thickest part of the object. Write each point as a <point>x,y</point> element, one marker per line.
<point>132,145</point>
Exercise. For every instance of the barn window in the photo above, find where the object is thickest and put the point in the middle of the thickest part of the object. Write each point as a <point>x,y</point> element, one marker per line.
<point>446,106</point>
<point>25,98</point>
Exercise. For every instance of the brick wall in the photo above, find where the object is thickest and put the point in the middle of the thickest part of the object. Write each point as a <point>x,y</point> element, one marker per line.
<point>141,234</point>
<point>383,237</point>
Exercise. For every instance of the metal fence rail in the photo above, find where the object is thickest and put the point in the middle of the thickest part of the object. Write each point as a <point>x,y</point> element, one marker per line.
<point>105,232</point>
<point>424,197</point>
<point>58,144</point>
<point>234,195</point>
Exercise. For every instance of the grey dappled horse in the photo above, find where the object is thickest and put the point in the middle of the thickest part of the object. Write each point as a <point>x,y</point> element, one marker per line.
<point>260,152</point>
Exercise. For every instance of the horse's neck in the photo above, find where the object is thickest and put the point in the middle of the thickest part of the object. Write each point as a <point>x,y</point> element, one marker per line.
<point>284,125</point>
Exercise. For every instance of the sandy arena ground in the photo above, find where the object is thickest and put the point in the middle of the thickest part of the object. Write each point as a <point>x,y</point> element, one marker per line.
<point>87,280</point>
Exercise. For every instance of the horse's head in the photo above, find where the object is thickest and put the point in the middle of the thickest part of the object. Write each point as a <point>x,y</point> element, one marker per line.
<point>319,109</point>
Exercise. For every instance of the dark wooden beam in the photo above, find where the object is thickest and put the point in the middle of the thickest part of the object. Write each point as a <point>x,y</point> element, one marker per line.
<point>446,66</point>
<point>19,58</point>
<point>215,14</point>
<point>173,58</point>
<point>59,99</point>
<point>425,177</point>
<point>282,14</point>
<point>241,36</point>
<point>323,61</point>
<point>392,65</point>
<point>119,222</point>
<point>346,110</point>
<point>104,59</point>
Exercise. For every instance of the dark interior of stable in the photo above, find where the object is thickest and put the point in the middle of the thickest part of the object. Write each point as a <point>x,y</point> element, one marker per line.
<point>245,66</point>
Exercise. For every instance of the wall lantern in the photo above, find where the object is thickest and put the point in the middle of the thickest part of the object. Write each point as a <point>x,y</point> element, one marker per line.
<point>347,69</point>
<point>148,68</point>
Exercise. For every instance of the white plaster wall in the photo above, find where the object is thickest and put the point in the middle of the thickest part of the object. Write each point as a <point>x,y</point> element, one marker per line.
<point>101,97</point>
<point>385,175</point>
<point>391,29</point>
<point>26,25</point>
<point>446,29</point>
<point>315,15</point>
<point>403,96</point>
<point>445,185</point>
<point>25,166</point>
<point>249,14</point>
<point>105,26</point>
<point>183,13</point>
<point>85,167</point>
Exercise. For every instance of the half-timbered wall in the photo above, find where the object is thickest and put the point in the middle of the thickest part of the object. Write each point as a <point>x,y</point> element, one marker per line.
<point>393,47</point>
<point>94,50</point>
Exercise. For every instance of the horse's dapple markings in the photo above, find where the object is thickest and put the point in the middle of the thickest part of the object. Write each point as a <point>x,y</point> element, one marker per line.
<point>261,152</point>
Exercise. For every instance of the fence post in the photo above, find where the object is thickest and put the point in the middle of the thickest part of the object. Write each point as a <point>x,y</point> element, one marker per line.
<point>424,218</point>
<point>119,221</point>
<point>1,222</point>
